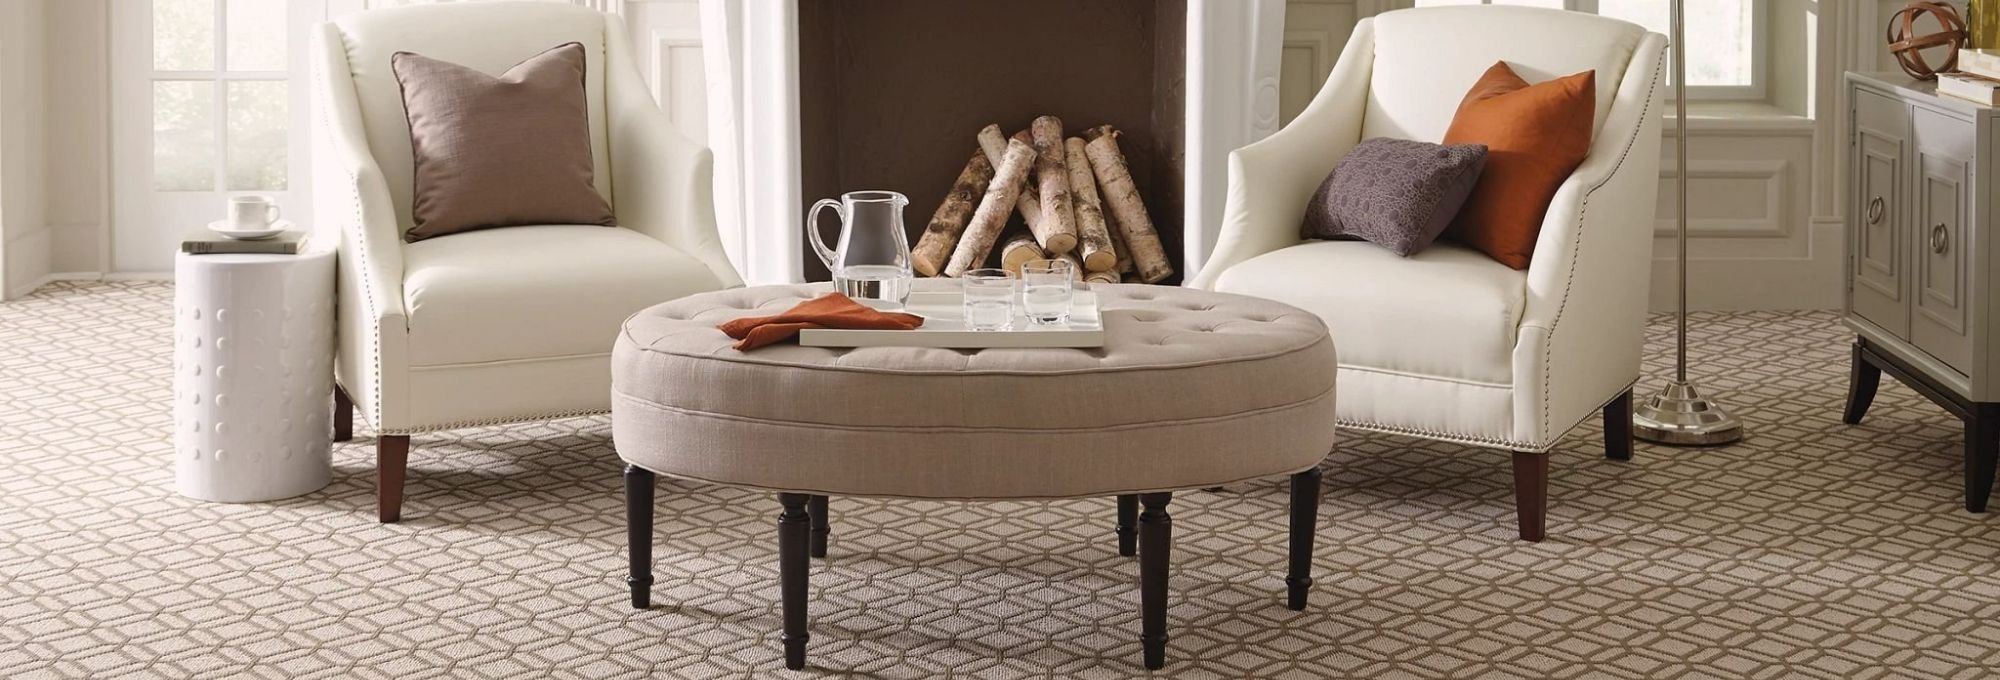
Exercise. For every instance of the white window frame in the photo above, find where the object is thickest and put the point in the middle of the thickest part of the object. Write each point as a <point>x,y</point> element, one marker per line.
<point>1760,58</point>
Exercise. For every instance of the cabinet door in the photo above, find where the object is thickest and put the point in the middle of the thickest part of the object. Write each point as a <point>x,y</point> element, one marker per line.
<point>1878,233</point>
<point>1939,247</point>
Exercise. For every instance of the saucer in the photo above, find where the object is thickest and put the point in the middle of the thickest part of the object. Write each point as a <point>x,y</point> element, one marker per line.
<point>275,228</point>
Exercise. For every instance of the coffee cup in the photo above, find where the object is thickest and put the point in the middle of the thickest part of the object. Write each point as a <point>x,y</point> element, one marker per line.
<point>252,213</point>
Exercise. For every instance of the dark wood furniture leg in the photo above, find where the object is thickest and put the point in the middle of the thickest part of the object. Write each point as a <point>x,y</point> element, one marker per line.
<point>1982,444</point>
<point>1305,524</point>
<point>1618,427</point>
<point>639,534</point>
<point>1156,532</point>
<point>1128,520</point>
<point>343,415</point>
<point>1981,418</point>
<point>1531,494</point>
<point>1862,380</point>
<point>793,563</point>
<point>822,525</point>
<point>392,459</point>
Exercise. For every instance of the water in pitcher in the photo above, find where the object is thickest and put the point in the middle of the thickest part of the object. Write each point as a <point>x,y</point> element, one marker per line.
<point>886,282</point>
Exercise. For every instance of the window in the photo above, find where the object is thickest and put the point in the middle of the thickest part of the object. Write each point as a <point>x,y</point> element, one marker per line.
<point>219,97</point>
<point>1726,38</point>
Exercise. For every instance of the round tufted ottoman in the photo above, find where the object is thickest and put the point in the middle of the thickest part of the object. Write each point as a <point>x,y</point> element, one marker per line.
<point>1192,389</point>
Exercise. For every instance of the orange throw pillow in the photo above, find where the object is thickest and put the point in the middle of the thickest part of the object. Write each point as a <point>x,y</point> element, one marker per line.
<point>1535,136</point>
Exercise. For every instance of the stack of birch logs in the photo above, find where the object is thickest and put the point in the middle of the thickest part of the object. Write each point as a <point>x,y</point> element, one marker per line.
<point>1075,195</point>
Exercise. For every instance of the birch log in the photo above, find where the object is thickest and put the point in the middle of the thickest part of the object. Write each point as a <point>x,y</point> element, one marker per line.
<point>1020,249</point>
<point>1121,197</point>
<point>994,209</point>
<point>1118,243</point>
<point>1075,266</point>
<point>1057,229</point>
<point>995,146</point>
<point>941,235</point>
<point>1098,252</point>
<point>1101,277</point>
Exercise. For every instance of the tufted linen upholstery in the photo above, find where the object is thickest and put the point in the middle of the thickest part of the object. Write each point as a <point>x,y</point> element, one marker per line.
<point>1191,389</point>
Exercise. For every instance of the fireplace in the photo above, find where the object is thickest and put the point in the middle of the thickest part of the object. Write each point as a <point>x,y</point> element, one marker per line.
<point>891,93</point>
<point>811,98</point>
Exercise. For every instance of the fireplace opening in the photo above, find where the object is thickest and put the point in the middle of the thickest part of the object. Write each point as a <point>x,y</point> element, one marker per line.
<point>892,94</point>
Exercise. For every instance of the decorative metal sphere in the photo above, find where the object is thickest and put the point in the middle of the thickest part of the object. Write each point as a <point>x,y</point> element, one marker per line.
<point>1908,46</point>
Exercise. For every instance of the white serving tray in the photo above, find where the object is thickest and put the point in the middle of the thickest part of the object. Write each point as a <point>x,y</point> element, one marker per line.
<point>944,326</point>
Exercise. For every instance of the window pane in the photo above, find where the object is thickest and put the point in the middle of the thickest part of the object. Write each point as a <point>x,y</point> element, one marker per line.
<point>1718,36</point>
<point>183,135</point>
<point>184,35</point>
<point>257,122</point>
<point>256,30</point>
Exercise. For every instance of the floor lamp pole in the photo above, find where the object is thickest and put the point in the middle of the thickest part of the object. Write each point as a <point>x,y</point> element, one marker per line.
<point>1679,415</point>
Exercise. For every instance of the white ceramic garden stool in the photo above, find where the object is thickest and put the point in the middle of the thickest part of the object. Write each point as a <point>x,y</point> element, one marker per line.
<point>253,370</point>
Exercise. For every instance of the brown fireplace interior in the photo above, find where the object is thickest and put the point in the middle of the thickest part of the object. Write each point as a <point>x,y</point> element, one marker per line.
<point>893,92</point>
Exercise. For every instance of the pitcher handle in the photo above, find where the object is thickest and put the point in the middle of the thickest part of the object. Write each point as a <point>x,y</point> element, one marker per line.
<point>812,228</point>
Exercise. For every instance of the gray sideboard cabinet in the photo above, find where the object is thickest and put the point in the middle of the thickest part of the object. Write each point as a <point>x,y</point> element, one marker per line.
<point>1921,293</point>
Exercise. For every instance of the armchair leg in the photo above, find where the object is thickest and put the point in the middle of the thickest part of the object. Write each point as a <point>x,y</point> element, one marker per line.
<point>392,459</point>
<point>343,415</point>
<point>1618,427</point>
<point>1531,494</point>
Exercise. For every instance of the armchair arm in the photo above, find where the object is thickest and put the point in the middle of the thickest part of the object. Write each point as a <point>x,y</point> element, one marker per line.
<point>662,183</point>
<point>1583,327</point>
<point>353,210</point>
<point>1271,180</point>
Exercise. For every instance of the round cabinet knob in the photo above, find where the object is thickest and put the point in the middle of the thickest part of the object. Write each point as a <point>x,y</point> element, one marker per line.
<point>1940,238</point>
<point>1875,210</point>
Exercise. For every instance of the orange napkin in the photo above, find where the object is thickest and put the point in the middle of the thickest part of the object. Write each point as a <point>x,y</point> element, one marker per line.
<point>832,310</point>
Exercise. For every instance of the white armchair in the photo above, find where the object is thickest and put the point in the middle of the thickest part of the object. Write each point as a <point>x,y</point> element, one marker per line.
<point>1449,344</point>
<point>500,325</point>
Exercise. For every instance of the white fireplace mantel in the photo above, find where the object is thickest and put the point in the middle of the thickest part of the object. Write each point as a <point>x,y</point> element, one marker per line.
<point>751,56</point>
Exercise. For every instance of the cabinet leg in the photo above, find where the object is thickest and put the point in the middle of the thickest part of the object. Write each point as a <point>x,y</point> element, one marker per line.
<point>1982,444</point>
<point>639,534</point>
<point>1862,379</point>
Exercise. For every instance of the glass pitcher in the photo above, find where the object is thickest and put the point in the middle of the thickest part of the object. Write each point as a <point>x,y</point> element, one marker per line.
<point>871,261</point>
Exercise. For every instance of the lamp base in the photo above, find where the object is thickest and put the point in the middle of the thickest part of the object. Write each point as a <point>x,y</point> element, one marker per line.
<point>1680,416</point>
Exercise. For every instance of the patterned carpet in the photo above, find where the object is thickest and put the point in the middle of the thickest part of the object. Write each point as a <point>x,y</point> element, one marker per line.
<point>1813,550</point>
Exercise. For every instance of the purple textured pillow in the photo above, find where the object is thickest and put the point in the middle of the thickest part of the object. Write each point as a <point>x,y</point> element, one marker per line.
<point>1395,193</point>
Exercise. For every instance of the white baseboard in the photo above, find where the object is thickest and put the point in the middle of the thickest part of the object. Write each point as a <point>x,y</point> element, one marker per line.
<point>138,276</point>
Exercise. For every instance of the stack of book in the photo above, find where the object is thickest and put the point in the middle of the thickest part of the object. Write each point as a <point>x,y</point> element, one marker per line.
<point>1977,78</point>
<point>205,242</point>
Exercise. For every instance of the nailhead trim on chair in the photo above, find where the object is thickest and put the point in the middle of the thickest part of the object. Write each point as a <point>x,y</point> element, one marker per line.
<point>1548,350</point>
<point>1487,442</point>
<point>353,230</point>
<point>497,421</point>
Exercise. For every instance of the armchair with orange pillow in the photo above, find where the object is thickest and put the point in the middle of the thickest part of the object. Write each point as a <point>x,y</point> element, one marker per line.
<point>1527,316</point>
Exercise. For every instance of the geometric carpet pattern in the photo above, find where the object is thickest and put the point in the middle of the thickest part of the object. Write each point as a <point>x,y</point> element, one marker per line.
<point>1811,550</point>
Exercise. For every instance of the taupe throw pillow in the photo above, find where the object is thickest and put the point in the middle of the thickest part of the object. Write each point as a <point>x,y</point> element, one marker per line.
<point>499,151</point>
<point>1395,193</point>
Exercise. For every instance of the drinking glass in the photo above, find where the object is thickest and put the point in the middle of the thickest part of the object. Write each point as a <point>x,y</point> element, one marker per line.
<point>989,299</point>
<point>1046,289</point>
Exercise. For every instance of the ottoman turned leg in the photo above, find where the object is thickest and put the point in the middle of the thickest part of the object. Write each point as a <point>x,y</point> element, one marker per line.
<point>639,534</point>
<point>1128,521</point>
<point>792,566</point>
<point>1156,531</point>
<point>821,525</point>
<point>1305,524</point>
<point>343,415</point>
